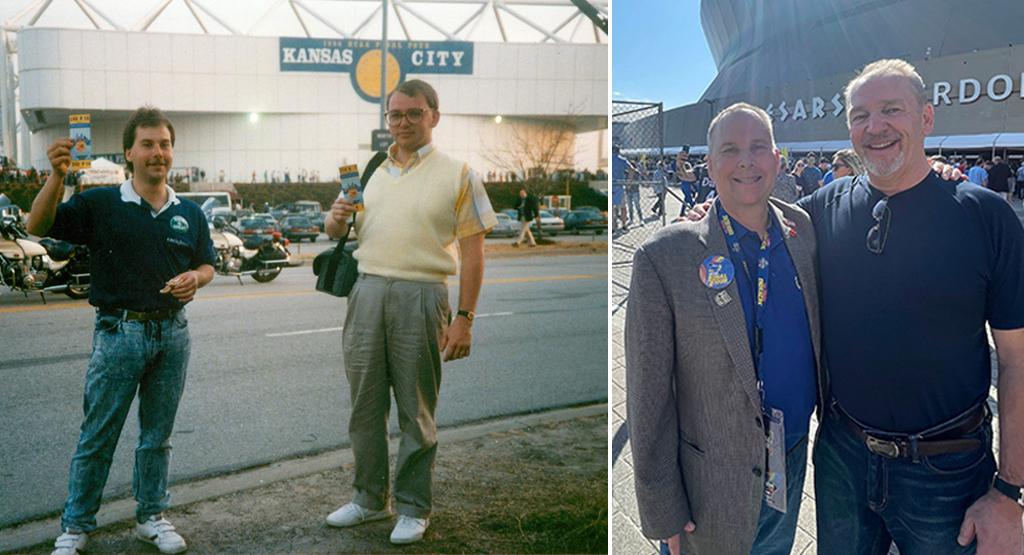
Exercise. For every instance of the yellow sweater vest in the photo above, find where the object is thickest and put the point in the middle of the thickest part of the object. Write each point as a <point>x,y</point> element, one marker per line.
<point>410,223</point>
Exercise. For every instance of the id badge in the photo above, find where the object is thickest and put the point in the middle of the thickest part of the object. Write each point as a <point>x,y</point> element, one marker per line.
<point>775,483</point>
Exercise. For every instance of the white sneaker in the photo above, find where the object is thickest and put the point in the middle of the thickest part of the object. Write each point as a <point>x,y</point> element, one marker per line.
<point>70,543</point>
<point>409,529</point>
<point>159,532</point>
<point>351,514</point>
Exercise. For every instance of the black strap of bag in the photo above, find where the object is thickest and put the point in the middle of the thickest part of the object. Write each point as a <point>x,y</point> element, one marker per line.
<point>371,167</point>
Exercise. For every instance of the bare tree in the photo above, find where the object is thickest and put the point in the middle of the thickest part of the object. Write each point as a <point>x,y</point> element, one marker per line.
<point>535,150</point>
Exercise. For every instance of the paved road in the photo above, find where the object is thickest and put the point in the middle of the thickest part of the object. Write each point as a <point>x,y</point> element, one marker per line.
<point>266,380</point>
<point>322,242</point>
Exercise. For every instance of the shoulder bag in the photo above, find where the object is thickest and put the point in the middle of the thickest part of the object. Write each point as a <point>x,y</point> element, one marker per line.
<point>335,268</point>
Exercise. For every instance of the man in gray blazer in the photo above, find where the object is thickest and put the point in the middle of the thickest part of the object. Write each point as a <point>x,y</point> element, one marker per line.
<point>722,345</point>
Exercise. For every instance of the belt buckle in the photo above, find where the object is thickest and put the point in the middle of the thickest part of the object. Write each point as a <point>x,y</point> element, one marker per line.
<point>882,447</point>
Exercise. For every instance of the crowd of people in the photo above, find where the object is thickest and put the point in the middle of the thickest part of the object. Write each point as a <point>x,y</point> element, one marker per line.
<point>798,177</point>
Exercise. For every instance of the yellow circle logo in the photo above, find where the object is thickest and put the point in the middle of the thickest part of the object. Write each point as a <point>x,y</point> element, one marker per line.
<point>368,73</point>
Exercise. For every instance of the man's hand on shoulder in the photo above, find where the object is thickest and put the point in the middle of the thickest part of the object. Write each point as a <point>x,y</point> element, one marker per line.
<point>457,339</point>
<point>698,212</point>
<point>947,172</point>
<point>995,521</point>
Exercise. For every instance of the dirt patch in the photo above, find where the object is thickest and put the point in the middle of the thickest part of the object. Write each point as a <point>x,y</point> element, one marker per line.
<point>541,489</point>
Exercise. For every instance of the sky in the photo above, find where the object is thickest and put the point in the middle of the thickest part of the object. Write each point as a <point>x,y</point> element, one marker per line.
<point>659,53</point>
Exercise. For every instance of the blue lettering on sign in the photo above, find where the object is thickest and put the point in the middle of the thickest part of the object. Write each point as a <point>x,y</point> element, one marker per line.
<point>347,55</point>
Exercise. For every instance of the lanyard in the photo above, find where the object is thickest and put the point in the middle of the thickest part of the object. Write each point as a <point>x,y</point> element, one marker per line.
<point>761,297</point>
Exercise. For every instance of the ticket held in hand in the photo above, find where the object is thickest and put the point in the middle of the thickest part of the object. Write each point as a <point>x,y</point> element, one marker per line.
<point>351,188</point>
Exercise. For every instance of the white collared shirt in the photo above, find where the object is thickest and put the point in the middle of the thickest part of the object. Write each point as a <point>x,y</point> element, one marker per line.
<point>396,169</point>
<point>128,194</point>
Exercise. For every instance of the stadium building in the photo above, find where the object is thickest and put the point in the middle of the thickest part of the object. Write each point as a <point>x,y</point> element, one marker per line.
<point>299,90</point>
<point>794,57</point>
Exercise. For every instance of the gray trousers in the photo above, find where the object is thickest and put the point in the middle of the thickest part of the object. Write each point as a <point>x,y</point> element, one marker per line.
<point>391,341</point>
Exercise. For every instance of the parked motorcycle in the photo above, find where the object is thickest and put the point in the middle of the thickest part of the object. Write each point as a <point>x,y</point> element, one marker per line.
<point>49,266</point>
<point>234,258</point>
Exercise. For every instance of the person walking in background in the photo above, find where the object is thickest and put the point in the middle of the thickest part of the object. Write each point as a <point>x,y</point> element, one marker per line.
<point>999,178</point>
<point>844,164</point>
<point>620,168</point>
<point>785,188</point>
<point>526,211</point>
<point>634,176</point>
<point>977,173</point>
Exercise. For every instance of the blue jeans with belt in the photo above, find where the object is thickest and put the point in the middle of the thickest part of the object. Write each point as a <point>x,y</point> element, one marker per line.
<point>776,531</point>
<point>867,501</point>
<point>149,357</point>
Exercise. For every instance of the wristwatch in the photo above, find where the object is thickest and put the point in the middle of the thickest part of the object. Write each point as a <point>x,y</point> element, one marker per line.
<point>469,314</point>
<point>1013,492</point>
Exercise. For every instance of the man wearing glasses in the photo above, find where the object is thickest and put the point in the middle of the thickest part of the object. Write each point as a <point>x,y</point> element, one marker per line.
<point>912,267</point>
<point>423,211</point>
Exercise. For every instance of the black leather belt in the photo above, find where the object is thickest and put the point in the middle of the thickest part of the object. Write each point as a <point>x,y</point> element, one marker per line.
<point>141,316</point>
<point>946,439</point>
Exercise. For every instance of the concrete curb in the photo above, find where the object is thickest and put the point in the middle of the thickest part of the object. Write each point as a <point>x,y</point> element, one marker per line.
<point>35,532</point>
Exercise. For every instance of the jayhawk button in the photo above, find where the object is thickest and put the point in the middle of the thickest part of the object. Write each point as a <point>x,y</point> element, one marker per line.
<point>717,272</point>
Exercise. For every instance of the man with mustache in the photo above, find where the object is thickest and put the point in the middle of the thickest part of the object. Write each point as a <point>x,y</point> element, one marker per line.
<point>911,269</point>
<point>150,253</point>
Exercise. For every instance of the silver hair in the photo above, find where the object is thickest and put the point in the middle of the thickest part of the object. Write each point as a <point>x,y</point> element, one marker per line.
<point>755,111</point>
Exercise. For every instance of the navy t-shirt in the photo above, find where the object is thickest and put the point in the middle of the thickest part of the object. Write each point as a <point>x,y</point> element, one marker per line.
<point>787,365</point>
<point>904,331</point>
<point>132,254</point>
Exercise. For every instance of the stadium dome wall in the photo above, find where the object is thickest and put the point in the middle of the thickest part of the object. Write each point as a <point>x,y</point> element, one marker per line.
<point>209,86</point>
<point>803,52</point>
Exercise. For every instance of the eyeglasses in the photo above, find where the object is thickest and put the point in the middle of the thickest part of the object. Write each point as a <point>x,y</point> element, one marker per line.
<point>839,165</point>
<point>414,116</point>
<point>880,231</point>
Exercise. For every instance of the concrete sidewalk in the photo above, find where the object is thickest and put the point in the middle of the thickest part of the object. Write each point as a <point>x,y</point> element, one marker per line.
<point>529,483</point>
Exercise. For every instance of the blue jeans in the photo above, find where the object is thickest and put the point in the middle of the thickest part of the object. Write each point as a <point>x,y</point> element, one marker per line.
<point>866,501</point>
<point>128,356</point>
<point>633,199</point>
<point>775,530</point>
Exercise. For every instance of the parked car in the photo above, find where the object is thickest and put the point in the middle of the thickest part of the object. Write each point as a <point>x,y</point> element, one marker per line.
<point>297,228</point>
<point>507,227</point>
<point>549,223</point>
<point>253,231</point>
<point>269,219</point>
<point>511,213</point>
<point>586,220</point>
<point>560,212</point>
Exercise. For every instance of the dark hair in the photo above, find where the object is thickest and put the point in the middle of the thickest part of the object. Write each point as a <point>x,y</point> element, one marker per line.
<point>146,116</point>
<point>414,87</point>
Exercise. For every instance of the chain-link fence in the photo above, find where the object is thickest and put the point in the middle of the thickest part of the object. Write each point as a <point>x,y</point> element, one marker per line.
<point>646,201</point>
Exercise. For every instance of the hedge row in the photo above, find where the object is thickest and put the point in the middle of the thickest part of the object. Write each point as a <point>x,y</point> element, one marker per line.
<point>502,195</point>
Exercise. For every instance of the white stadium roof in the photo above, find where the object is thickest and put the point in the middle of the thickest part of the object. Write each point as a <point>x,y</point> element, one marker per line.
<point>555,21</point>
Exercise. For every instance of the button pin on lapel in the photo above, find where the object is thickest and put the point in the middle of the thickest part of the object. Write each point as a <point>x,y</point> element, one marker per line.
<point>722,298</point>
<point>716,272</point>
